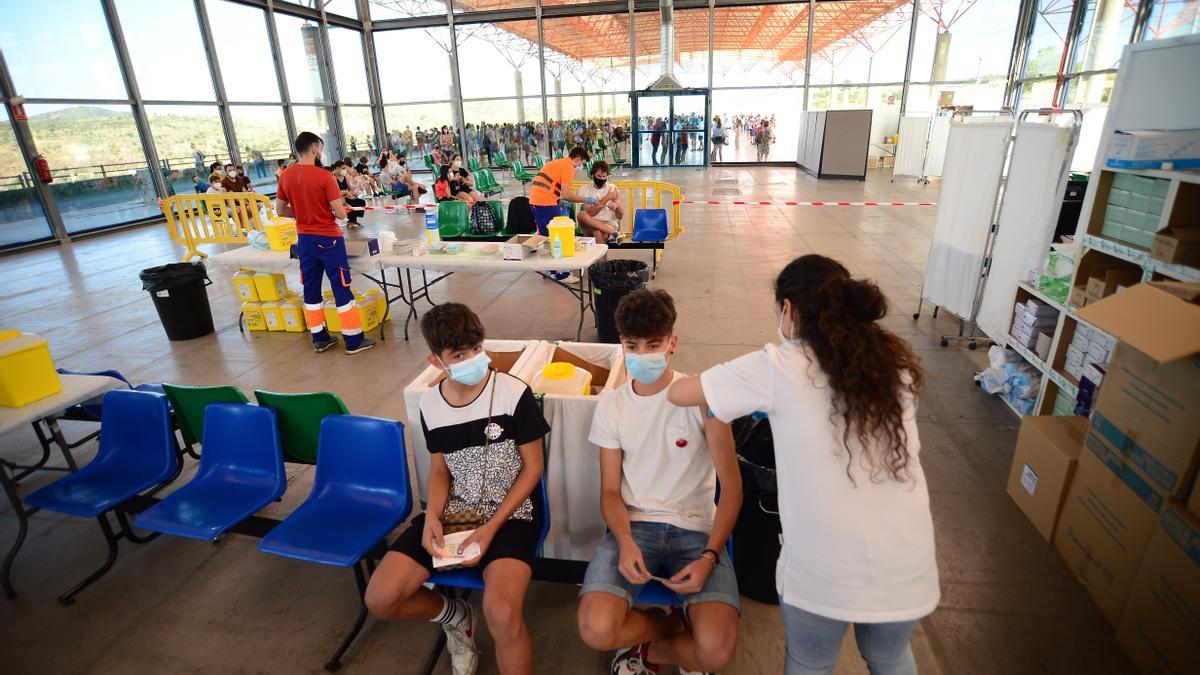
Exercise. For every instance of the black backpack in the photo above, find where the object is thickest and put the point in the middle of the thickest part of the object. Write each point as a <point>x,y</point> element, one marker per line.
<point>756,543</point>
<point>520,216</point>
<point>483,219</point>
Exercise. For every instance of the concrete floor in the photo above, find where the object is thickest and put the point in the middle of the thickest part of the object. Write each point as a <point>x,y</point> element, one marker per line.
<point>1009,604</point>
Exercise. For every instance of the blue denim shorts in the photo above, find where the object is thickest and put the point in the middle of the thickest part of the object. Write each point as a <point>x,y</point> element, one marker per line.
<point>666,550</point>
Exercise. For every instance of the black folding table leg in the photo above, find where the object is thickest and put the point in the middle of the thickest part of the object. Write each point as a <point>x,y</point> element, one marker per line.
<point>10,491</point>
<point>110,538</point>
<point>335,660</point>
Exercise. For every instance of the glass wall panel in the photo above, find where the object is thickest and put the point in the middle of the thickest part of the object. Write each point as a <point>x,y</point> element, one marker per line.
<point>262,133</point>
<point>1089,94</point>
<point>498,59</point>
<point>244,51</point>
<point>587,54</point>
<point>100,172</point>
<point>60,49</point>
<point>691,47</point>
<point>964,48</point>
<point>1172,18</point>
<point>1036,93</point>
<point>348,66</point>
<point>402,9</point>
<point>180,131</point>
<point>161,35</point>
<point>398,51</point>
<point>304,60</point>
<point>882,101</point>
<point>21,217</point>
<point>492,5</point>
<point>319,120</point>
<point>1051,24</point>
<point>347,8</point>
<point>359,127</point>
<point>422,121</point>
<point>860,43</point>
<point>1107,27</point>
<point>760,46</point>
<point>742,112</point>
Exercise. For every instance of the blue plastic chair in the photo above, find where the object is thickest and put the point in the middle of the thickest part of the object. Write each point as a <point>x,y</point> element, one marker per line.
<point>472,577</point>
<point>359,495</point>
<point>241,471</point>
<point>650,225</point>
<point>137,452</point>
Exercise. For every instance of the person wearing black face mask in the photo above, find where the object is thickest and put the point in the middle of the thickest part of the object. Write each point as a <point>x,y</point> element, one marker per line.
<point>603,219</point>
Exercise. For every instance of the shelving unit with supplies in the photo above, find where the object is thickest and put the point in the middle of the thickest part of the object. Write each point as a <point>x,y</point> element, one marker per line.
<point>1108,238</point>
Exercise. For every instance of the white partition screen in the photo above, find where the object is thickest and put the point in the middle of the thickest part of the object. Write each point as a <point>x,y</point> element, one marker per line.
<point>1033,196</point>
<point>939,134</point>
<point>975,155</point>
<point>910,151</point>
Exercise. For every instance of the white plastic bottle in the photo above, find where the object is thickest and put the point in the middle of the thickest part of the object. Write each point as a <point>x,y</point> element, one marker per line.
<point>556,248</point>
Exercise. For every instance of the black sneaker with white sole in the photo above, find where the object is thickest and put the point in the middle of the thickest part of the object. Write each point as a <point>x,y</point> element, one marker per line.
<point>324,344</point>
<point>363,346</point>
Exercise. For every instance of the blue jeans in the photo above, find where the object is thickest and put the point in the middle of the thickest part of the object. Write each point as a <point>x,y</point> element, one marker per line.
<point>666,549</point>
<point>814,642</point>
<point>542,215</point>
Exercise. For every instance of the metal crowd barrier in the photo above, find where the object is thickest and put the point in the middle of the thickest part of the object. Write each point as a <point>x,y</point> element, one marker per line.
<point>648,194</point>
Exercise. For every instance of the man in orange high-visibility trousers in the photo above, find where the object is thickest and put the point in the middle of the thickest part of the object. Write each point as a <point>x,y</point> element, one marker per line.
<point>551,185</point>
<point>309,193</point>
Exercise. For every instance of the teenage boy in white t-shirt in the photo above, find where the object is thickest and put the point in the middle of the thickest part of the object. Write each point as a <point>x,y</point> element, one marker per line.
<point>659,468</point>
<point>602,219</point>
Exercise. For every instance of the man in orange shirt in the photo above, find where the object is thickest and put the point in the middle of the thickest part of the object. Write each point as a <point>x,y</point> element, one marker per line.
<point>553,183</point>
<point>309,193</point>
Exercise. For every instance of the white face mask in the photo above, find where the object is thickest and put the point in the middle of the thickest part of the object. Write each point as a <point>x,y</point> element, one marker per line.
<point>456,165</point>
<point>783,337</point>
<point>232,172</point>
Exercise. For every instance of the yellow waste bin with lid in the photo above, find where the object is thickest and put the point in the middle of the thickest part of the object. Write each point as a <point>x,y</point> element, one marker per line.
<point>563,229</point>
<point>26,370</point>
<point>562,378</point>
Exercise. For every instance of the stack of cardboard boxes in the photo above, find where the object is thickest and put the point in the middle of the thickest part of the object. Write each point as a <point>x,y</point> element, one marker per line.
<point>1134,208</point>
<point>1033,326</point>
<point>1124,528</point>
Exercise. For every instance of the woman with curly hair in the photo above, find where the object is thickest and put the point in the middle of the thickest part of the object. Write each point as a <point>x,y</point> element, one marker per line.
<point>840,392</point>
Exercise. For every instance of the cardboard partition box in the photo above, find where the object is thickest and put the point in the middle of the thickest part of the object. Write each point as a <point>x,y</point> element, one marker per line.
<point>1044,462</point>
<point>1159,627</point>
<point>1178,245</point>
<point>1149,407</point>
<point>1105,525</point>
<point>521,246</point>
<point>362,247</point>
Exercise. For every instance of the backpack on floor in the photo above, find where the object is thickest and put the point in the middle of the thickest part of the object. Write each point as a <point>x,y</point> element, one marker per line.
<point>756,543</point>
<point>483,219</point>
<point>520,216</point>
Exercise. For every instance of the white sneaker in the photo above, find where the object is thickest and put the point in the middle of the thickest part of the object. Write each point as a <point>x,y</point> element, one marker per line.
<point>570,280</point>
<point>632,661</point>
<point>460,642</point>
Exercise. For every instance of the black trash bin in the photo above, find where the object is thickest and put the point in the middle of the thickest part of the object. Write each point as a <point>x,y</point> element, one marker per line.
<point>756,534</point>
<point>180,296</point>
<point>611,281</point>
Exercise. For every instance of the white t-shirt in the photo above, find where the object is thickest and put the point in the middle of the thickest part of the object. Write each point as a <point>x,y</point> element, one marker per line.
<point>606,214</point>
<point>860,551</point>
<point>667,473</point>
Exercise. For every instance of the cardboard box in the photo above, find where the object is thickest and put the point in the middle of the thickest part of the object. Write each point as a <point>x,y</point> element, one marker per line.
<point>521,246</point>
<point>1078,296</point>
<point>1149,406</point>
<point>1178,245</point>
<point>1158,628</point>
<point>1104,282</point>
<point>1105,525</point>
<point>1043,464</point>
<point>1043,345</point>
<point>1150,149</point>
<point>1037,308</point>
<point>1074,356</point>
<point>362,247</point>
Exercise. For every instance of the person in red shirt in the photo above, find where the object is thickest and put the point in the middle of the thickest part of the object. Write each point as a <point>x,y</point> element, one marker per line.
<point>309,193</point>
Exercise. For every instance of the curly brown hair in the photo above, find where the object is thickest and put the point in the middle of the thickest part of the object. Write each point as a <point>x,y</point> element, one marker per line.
<point>870,369</point>
<point>452,326</point>
<point>646,314</point>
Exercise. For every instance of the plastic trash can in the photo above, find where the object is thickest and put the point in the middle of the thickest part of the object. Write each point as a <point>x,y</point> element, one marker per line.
<point>180,296</point>
<point>611,281</point>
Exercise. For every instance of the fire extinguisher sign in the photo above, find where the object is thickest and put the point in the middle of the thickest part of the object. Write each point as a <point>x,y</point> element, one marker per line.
<point>19,114</point>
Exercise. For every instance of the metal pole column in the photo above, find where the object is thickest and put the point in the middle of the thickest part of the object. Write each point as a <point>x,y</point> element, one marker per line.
<point>374,86</point>
<point>460,133</point>
<point>912,43</point>
<point>812,7</point>
<point>139,110</point>
<point>542,73</point>
<point>336,120</point>
<point>210,48</point>
<point>28,150</point>
<point>280,75</point>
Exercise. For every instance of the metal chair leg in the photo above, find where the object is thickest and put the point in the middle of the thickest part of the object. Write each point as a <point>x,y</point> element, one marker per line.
<point>66,599</point>
<point>335,660</point>
<point>127,530</point>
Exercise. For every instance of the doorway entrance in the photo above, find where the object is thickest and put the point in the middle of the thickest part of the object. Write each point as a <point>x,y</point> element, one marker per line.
<point>670,128</point>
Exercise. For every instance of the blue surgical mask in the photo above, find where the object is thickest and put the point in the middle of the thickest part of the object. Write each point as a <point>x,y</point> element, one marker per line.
<point>472,371</point>
<point>646,368</point>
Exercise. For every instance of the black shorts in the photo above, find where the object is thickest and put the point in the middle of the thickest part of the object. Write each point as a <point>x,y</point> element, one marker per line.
<point>516,539</point>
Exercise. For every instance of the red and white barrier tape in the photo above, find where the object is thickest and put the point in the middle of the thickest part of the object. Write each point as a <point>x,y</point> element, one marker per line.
<point>769,202</point>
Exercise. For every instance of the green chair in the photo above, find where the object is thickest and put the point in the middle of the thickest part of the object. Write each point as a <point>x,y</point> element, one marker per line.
<point>617,160</point>
<point>189,404</point>
<point>485,186</point>
<point>473,164</point>
<point>429,162</point>
<point>453,219</point>
<point>490,178</point>
<point>299,417</point>
<point>557,154</point>
<point>501,160</point>
<point>520,174</point>
<point>538,162</point>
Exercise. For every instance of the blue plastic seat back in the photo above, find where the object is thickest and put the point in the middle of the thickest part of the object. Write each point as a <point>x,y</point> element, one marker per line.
<point>363,458</point>
<point>241,443</point>
<point>650,225</point>
<point>137,451</point>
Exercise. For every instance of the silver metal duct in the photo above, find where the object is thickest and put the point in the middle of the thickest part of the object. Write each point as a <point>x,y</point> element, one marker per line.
<point>666,12</point>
